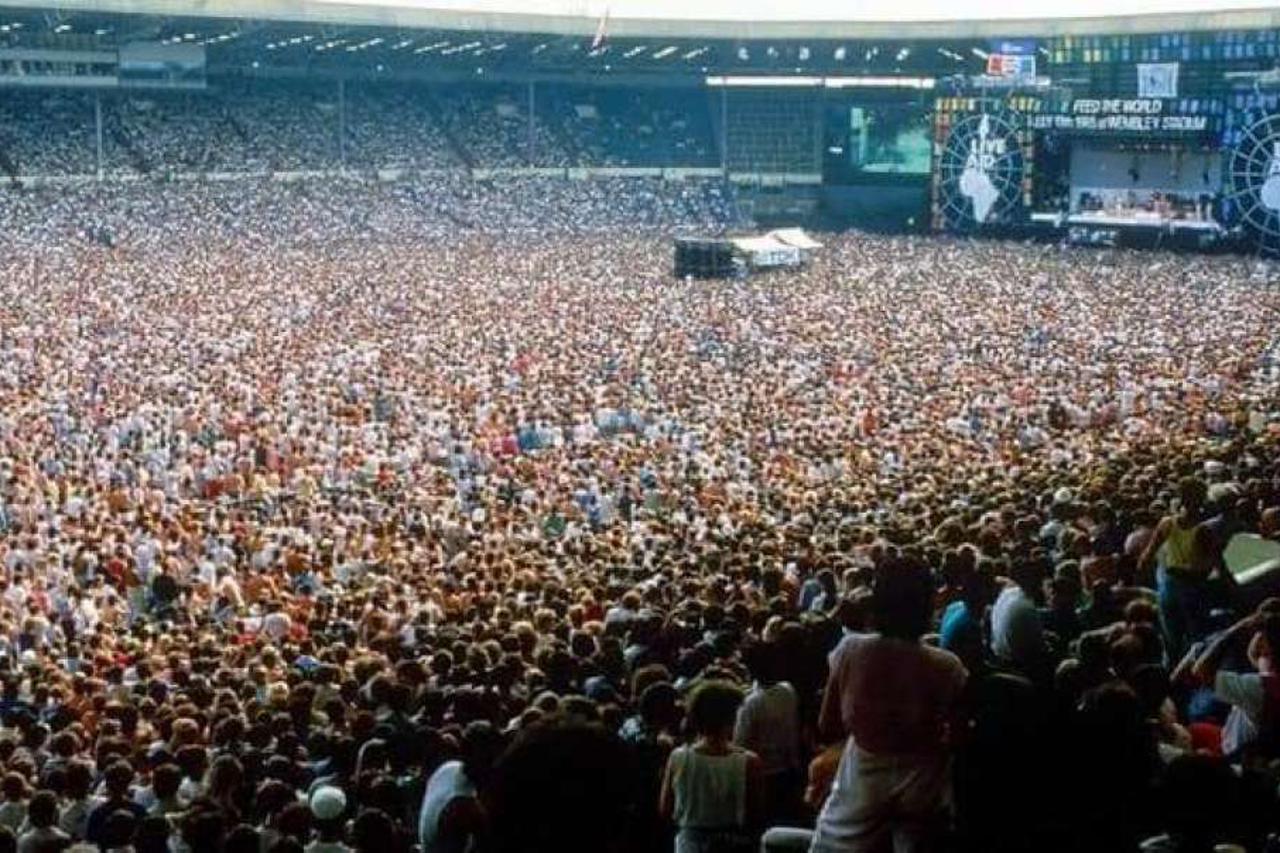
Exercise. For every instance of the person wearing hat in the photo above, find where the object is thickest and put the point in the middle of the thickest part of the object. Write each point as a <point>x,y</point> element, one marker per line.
<point>328,804</point>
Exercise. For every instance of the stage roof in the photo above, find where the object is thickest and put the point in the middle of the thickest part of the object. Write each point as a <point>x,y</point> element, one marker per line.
<point>724,19</point>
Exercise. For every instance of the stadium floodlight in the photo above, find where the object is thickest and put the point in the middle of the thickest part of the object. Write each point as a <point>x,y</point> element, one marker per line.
<point>460,48</point>
<point>879,82</point>
<point>747,81</point>
<point>665,52</point>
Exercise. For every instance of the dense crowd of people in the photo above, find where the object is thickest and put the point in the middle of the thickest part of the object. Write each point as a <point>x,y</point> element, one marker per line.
<point>249,125</point>
<point>349,516</point>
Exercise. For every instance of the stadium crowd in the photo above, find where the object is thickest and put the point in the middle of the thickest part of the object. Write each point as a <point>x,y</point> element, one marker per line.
<point>248,125</point>
<point>359,517</point>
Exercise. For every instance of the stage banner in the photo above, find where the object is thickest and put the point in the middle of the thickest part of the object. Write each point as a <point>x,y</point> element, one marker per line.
<point>1125,115</point>
<point>1158,80</point>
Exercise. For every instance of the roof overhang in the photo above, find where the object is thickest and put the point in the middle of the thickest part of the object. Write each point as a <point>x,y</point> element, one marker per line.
<point>637,18</point>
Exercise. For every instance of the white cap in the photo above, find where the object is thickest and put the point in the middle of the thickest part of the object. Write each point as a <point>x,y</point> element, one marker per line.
<point>328,803</point>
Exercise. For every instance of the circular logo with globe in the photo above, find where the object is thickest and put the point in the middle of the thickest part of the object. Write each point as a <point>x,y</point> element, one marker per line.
<point>980,172</point>
<point>1254,181</point>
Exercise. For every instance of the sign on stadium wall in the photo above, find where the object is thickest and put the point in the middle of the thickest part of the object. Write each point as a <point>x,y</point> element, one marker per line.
<point>1253,182</point>
<point>980,170</point>
<point>1123,115</point>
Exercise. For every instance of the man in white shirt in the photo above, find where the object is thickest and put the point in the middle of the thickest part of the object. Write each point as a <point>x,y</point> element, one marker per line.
<point>1017,634</point>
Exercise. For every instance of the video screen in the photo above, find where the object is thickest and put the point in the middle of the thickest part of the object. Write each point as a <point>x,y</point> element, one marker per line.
<point>888,139</point>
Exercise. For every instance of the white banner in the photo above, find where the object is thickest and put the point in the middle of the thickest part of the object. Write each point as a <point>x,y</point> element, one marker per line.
<point>1158,80</point>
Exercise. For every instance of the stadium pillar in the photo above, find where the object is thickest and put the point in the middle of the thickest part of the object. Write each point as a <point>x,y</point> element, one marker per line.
<point>819,131</point>
<point>532,152</point>
<point>342,124</point>
<point>97,130</point>
<point>724,131</point>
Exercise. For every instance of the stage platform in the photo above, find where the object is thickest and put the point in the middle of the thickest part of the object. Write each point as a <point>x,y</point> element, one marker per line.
<point>1102,220</point>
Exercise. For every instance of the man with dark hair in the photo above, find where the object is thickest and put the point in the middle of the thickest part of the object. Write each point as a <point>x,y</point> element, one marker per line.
<point>564,786</point>
<point>768,724</point>
<point>1182,546</point>
<point>1017,629</point>
<point>118,781</point>
<point>894,699</point>
<point>43,835</point>
<point>451,818</point>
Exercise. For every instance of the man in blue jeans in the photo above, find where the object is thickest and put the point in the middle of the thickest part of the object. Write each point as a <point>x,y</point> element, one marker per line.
<point>1182,547</point>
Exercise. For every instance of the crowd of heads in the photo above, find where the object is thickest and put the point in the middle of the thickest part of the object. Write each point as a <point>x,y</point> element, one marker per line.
<point>248,125</point>
<point>307,490</point>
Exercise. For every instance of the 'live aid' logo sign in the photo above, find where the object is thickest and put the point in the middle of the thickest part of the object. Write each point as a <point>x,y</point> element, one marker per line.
<point>1270,192</point>
<point>984,152</point>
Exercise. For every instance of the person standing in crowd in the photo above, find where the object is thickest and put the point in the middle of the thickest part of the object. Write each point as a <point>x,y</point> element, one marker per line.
<point>768,725</point>
<point>1017,627</point>
<point>451,819</point>
<point>1180,545</point>
<point>713,790</point>
<point>894,699</point>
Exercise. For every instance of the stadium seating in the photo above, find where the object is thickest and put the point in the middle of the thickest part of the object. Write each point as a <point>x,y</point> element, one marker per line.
<point>252,125</point>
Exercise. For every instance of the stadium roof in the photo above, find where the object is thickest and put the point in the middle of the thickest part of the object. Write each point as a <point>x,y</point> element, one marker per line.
<point>725,19</point>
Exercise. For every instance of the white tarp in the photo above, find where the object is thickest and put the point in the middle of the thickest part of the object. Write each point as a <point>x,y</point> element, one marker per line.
<point>795,237</point>
<point>767,252</point>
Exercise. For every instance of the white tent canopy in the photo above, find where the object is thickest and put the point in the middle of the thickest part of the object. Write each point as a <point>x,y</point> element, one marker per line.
<point>767,251</point>
<point>795,237</point>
